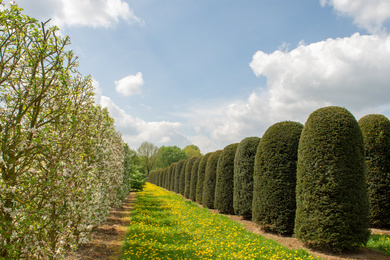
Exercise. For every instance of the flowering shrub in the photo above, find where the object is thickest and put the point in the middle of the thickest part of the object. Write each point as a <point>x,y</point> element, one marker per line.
<point>61,159</point>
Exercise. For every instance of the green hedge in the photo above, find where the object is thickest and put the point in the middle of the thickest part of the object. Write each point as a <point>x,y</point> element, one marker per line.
<point>332,202</point>
<point>244,162</point>
<point>172,168</point>
<point>194,178</point>
<point>376,135</point>
<point>183,178</point>
<point>179,167</point>
<point>188,170</point>
<point>201,174</point>
<point>209,180</point>
<point>225,180</point>
<point>275,174</point>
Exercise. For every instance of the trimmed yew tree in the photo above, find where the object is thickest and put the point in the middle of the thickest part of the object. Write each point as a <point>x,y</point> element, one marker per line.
<point>376,135</point>
<point>201,174</point>
<point>182,184</point>
<point>275,178</point>
<point>225,180</point>
<point>244,162</point>
<point>178,169</point>
<point>332,201</point>
<point>173,174</point>
<point>188,170</point>
<point>194,178</point>
<point>209,180</point>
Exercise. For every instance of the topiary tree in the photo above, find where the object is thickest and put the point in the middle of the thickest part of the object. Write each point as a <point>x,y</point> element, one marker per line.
<point>188,170</point>
<point>178,169</point>
<point>209,180</point>
<point>182,184</point>
<point>173,174</point>
<point>201,174</point>
<point>274,178</point>
<point>244,162</point>
<point>332,203</point>
<point>194,178</point>
<point>376,135</point>
<point>224,182</point>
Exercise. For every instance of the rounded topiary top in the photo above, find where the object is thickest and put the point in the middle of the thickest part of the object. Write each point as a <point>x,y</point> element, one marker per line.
<point>201,174</point>
<point>244,162</point>
<point>179,167</point>
<point>275,177</point>
<point>188,170</point>
<point>376,135</point>
<point>332,202</point>
<point>209,180</point>
<point>194,179</point>
<point>225,180</point>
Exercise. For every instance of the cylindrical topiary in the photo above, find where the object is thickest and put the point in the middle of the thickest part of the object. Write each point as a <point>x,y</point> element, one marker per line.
<point>179,167</point>
<point>201,174</point>
<point>183,178</point>
<point>244,162</point>
<point>376,135</point>
<point>209,180</point>
<point>274,178</point>
<point>332,202</point>
<point>224,182</point>
<point>188,170</point>
<point>194,179</point>
<point>172,171</point>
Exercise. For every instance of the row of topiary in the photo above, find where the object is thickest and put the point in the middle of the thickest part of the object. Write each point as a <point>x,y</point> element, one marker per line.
<point>326,182</point>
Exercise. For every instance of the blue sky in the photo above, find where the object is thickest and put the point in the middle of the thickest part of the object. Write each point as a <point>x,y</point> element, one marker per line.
<point>212,72</point>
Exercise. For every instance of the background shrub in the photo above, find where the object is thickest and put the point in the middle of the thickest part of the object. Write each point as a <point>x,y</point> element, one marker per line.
<point>275,177</point>
<point>183,178</point>
<point>244,162</point>
<point>225,180</point>
<point>332,203</point>
<point>376,135</point>
<point>173,174</point>
<point>209,180</point>
<point>188,170</point>
<point>178,169</point>
<point>194,178</point>
<point>201,174</point>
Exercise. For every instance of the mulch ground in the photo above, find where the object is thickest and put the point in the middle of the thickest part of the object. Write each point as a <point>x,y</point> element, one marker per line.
<point>106,242</point>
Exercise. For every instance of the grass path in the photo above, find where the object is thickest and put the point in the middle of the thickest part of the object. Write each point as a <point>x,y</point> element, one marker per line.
<point>165,226</point>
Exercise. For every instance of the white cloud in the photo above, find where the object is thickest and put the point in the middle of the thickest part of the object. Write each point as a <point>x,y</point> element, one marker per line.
<point>91,13</point>
<point>368,14</point>
<point>130,85</point>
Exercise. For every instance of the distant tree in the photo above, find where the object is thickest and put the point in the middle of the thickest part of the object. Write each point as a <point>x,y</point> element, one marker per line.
<point>148,154</point>
<point>168,155</point>
<point>192,150</point>
<point>132,177</point>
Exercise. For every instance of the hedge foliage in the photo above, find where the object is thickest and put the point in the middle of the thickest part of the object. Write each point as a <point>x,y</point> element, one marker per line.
<point>209,180</point>
<point>244,162</point>
<point>225,180</point>
<point>172,168</point>
<point>275,178</point>
<point>194,178</point>
<point>376,135</point>
<point>182,183</point>
<point>179,166</point>
<point>201,175</point>
<point>188,170</point>
<point>332,202</point>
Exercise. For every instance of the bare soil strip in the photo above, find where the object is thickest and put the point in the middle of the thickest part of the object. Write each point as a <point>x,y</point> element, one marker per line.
<point>107,239</point>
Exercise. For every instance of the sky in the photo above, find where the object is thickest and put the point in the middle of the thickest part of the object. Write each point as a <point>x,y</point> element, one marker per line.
<point>213,72</point>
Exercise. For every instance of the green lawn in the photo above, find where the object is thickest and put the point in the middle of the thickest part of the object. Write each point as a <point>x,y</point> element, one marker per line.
<point>380,243</point>
<point>165,226</point>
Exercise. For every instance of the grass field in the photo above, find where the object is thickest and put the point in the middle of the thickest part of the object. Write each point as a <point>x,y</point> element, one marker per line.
<point>165,226</point>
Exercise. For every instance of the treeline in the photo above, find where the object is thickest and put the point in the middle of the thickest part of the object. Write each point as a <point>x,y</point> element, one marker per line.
<point>327,182</point>
<point>62,163</point>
